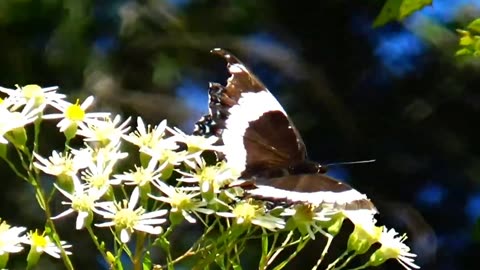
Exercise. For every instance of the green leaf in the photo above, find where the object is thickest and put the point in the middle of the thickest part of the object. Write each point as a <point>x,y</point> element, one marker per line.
<point>398,9</point>
<point>264,244</point>
<point>463,51</point>
<point>466,40</point>
<point>474,26</point>
<point>3,151</point>
<point>163,243</point>
<point>147,261</point>
<point>264,258</point>
<point>410,6</point>
<point>40,200</point>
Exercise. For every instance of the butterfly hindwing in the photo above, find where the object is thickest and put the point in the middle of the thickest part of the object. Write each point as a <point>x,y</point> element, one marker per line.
<point>317,189</point>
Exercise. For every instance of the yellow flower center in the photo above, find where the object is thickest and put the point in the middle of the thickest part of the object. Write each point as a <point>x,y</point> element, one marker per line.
<point>141,176</point>
<point>180,200</point>
<point>169,156</point>
<point>209,175</point>
<point>304,213</point>
<point>4,227</point>
<point>195,143</point>
<point>150,139</point>
<point>245,212</point>
<point>74,112</point>
<point>33,91</point>
<point>105,132</point>
<point>39,240</point>
<point>83,202</point>
<point>97,181</point>
<point>62,166</point>
<point>126,218</point>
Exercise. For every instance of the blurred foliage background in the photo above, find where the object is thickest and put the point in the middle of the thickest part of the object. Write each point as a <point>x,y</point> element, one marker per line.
<point>396,93</point>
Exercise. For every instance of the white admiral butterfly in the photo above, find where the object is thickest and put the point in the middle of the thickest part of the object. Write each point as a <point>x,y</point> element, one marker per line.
<point>261,142</point>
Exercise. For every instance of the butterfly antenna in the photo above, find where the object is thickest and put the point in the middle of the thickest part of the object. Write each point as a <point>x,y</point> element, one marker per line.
<point>349,162</point>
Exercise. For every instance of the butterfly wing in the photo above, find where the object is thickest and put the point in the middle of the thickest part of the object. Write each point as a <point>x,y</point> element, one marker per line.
<point>257,133</point>
<point>261,141</point>
<point>315,189</point>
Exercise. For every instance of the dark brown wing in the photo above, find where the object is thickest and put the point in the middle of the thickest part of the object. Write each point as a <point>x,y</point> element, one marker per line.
<point>316,189</point>
<point>253,126</point>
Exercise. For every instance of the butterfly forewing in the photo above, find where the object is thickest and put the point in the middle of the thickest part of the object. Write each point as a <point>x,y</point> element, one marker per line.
<point>256,131</point>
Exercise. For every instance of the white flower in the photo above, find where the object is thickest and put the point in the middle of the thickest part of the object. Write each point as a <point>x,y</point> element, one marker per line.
<point>150,137</point>
<point>10,120</point>
<point>209,178</point>
<point>74,114</point>
<point>393,248</point>
<point>307,218</point>
<point>127,219</point>
<point>59,164</point>
<point>10,238</point>
<point>181,201</point>
<point>82,201</point>
<point>246,213</point>
<point>363,218</point>
<point>104,130</point>
<point>195,144</point>
<point>40,96</point>
<point>141,176</point>
<point>97,174</point>
<point>169,156</point>
<point>365,233</point>
<point>42,243</point>
<point>90,154</point>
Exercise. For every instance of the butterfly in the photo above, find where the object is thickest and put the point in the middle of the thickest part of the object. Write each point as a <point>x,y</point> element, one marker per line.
<point>261,142</point>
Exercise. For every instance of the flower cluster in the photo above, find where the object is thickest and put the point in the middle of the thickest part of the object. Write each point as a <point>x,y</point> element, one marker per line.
<point>167,181</point>
<point>12,238</point>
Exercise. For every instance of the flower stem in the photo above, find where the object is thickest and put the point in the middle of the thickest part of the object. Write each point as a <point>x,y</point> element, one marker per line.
<point>325,249</point>
<point>346,261</point>
<point>95,241</point>
<point>55,236</point>
<point>332,265</point>
<point>361,266</point>
<point>279,250</point>
<point>137,257</point>
<point>303,241</point>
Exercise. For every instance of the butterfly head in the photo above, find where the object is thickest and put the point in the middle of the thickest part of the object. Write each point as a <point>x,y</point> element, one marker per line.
<point>321,168</point>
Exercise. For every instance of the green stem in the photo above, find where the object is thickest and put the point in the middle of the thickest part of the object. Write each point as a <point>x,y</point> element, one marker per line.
<point>332,265</point>
<point>346,261</point>
<point>325,249</point>
<point>41,196</point>
<point>36,135</point>
<point>301,245</point>
<point>14,169</point>
<point>66,260</point>
<point>97,244</point>
<point>137,257</point>
<point>280,249</point>
<point>362,266</point>
<point>196,246</point>
<point>170,259</point>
